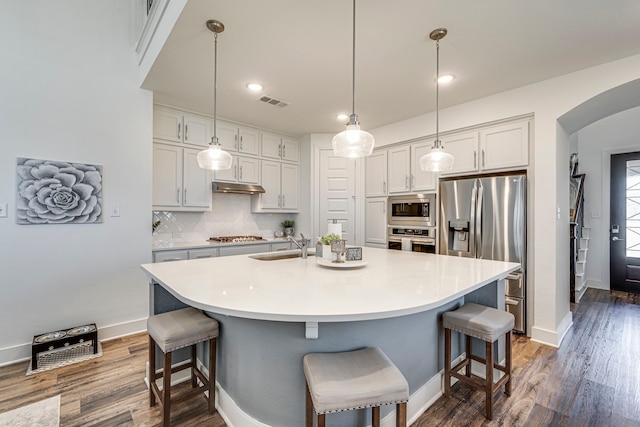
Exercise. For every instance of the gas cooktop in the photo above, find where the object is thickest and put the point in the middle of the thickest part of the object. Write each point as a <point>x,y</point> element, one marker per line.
<point>235,239</point>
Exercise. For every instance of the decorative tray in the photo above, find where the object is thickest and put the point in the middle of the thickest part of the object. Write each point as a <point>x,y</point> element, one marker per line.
<point>347,264</point>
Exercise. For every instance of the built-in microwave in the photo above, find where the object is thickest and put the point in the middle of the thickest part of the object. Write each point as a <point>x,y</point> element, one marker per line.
<point>413,210</point>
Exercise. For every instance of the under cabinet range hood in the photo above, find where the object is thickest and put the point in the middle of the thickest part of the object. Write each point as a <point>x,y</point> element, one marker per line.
<point>232,187</point>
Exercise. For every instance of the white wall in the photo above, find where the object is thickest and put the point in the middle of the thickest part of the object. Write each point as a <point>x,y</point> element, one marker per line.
<point>548,100</point>
<point>69,92</point>
<point>615,134</point>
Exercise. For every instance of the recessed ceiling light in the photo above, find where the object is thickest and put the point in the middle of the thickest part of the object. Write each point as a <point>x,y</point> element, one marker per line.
<point>342,116</point>
<point>256,87</point>
<point>445,78</point>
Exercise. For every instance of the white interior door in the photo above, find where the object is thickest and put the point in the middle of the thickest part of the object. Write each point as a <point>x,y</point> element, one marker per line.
<point>337,194</point>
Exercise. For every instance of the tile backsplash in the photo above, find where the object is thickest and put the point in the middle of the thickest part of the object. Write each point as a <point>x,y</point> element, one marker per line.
<point>230,215</point>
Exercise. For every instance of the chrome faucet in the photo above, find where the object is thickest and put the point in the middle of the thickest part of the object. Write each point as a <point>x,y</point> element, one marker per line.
<point>302,244</point>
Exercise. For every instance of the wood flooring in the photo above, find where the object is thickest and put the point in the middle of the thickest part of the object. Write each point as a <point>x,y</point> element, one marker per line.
<point>592,380</point>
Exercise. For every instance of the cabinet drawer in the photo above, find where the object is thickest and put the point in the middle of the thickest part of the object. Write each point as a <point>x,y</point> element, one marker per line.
<point>166,256</point>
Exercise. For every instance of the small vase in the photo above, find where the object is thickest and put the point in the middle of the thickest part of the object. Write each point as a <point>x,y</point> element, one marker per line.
<point>288,231</point>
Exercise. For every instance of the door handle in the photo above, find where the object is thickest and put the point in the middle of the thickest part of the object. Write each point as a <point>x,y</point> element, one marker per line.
<point>616,239</point>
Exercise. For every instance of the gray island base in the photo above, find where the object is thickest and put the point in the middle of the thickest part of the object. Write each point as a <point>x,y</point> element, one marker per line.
<point>263,326</point>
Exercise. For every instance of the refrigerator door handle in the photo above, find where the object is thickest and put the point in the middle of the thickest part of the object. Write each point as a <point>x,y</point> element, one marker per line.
<point>478,223</point>
<point>472,222</point>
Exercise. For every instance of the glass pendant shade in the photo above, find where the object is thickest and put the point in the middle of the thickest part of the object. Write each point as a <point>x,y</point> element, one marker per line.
<point>353,142</point>
<point>436,160</point>
<point>214,158</point>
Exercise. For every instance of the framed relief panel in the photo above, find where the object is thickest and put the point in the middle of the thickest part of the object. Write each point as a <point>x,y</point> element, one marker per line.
<point>53,192</point>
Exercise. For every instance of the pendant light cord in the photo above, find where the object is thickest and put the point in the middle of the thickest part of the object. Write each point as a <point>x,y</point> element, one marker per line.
<point>438,93</point>
<point>353,65</point>
<point>214,140</point>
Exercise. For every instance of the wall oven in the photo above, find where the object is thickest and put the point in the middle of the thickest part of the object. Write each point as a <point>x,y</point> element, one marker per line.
<point>412,210</point>
<point>412,239</point>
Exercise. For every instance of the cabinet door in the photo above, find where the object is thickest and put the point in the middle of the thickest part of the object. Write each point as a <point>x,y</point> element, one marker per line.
<point>376,174</point>
<point>244,249</point>
<point>196,182</point>
<point>290,150</point>
<point>228,175</point>
<point>290,183</point>
<point>376,220</point>
<point>227,135</point>
<point>167,175</point>
<point>167,124</point>
<point>464,149</point>
<point>270,178</point>
<point>399,169</point>
<point>249,140</point>
<point>271,145</point>
<point>166,256</point>
<point>197,130</point>
<point>505,146</point>
<point>421,180</point>
<point>248,170</point>
<point>203,253</point>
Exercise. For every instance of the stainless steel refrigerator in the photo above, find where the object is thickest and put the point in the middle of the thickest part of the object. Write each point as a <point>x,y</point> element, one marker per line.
<point>486,218</point>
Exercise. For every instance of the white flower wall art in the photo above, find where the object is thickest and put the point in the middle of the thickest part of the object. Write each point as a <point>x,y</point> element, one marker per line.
<point>52,192</point>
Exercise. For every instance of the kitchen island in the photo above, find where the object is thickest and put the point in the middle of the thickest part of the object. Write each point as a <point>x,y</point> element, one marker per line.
<point>273,312</point>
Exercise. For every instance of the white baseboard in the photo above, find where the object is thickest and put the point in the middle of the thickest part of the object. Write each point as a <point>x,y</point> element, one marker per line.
<point>21,352</point>
<point>552,338</point>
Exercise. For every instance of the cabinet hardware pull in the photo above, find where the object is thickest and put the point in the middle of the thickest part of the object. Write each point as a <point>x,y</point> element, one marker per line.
<point>384,187</point>
<point>235,142</point>
<point>240,142</point>
<point>284,151</point>
<point>235,172</point>
<point>384,207</point>
<point>483,157</point>
<point>178,195</point>
<point>413,178</point>
<point>406,182</point>
<point>279,150</point>
<point>279,203</point>
<point>240,172</point>
<point>186,132</point>
<point>475,155</point>
<point>179,124</point>
<point>185,196</point>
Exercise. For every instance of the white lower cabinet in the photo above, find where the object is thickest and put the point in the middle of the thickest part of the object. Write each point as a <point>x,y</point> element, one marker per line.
<point>179,184</point>
<point>281,183</point>
<point>204,253</point>
<point>376,222</point>
<point>246,249</point>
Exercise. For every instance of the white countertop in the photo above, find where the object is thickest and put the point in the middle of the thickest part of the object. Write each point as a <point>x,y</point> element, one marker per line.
<point>393,283</point>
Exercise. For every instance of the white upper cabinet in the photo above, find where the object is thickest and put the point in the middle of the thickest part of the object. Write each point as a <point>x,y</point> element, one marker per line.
<point>404,173</point>
<point>180,127</point>
<point>274,146</point>
<point>281,183</point>
<point>178,182</point>
<point>376,174</point>
<point>243,169</point>
<point>237,138</point>
<point>421,180</point>
<point>500,147</point>
<point>505,146</point>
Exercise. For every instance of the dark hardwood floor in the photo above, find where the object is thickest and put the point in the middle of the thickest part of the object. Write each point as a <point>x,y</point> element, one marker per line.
<point>591,381</point>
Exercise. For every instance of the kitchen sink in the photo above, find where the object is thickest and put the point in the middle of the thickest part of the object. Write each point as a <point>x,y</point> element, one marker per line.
<point>277,256</point>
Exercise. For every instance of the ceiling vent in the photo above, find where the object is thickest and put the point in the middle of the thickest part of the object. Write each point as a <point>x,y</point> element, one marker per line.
<point>273,101</point>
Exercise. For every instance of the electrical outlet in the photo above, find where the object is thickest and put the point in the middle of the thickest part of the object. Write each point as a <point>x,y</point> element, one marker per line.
<point>115,210</point>
<point>3,210</point>
<point>595,214</point>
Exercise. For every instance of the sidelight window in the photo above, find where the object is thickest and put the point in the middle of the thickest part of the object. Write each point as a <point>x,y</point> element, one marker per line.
<point>633,209</point>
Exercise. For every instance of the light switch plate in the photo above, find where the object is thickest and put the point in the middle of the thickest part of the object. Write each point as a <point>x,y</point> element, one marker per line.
<point>115,210</point>
<point>3,210</point>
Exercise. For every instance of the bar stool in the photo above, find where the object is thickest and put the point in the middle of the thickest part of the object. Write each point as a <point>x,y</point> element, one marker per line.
<point>487,324</point>
<point>349,380</point>
<point>171,331</point>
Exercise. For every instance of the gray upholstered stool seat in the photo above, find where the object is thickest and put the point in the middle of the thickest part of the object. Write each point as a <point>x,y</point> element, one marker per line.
<point>174,330</point>
<point>352,380</point>
<point>487,324</point>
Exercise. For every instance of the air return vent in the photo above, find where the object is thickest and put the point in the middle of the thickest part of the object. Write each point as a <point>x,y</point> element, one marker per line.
<point>273,101</point>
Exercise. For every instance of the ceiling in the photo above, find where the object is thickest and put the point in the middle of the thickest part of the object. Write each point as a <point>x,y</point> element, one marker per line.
<point>301,52</point>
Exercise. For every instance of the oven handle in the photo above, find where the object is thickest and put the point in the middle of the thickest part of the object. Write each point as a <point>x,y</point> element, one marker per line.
<point>422,241</point>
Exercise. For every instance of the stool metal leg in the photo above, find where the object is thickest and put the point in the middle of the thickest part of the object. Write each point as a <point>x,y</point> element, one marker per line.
<point>489,380</point>
<point>375,416</point>
<point>447,362</point>
<point>192,351</point>
<point>212,375</point>
<point>507,386</point>
<point>309,410</point>
<point>469,350</point>
<point>401,414</point>
<point>166,389</point>
<point>152,371</point>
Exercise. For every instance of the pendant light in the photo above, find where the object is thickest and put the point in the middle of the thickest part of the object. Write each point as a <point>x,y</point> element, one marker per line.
<point>214,157</point>
<point>437,159</point>
<point>353,142</point>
